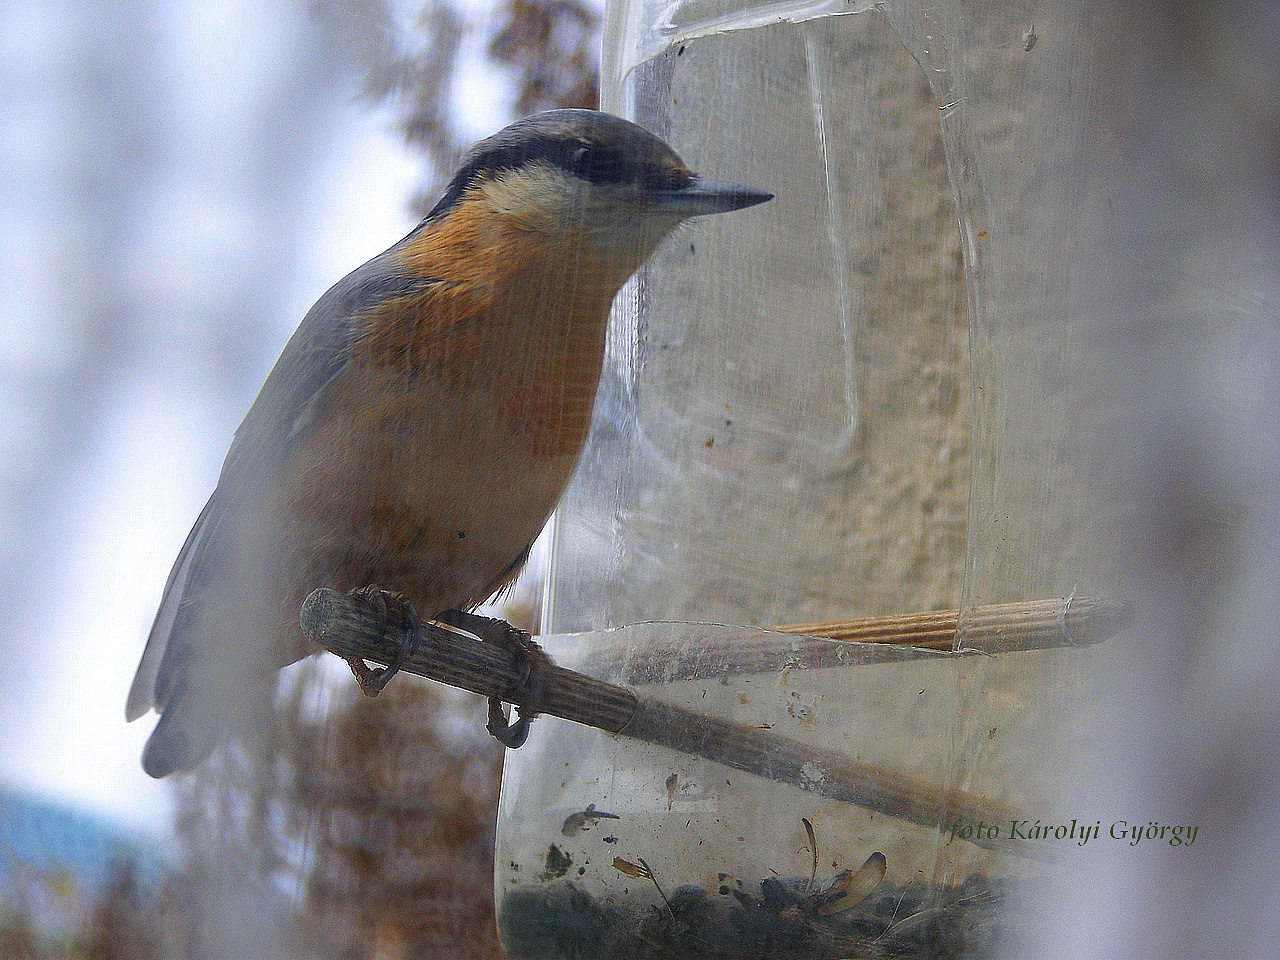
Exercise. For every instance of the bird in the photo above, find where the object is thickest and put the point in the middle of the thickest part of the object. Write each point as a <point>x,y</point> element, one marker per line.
<point>423,420</point>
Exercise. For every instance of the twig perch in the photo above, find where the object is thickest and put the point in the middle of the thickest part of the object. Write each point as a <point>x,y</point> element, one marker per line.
<point>352,625</point>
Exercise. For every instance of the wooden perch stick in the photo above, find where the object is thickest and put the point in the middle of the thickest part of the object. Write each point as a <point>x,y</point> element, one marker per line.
<point>356,625</point>
<point>997,627</point>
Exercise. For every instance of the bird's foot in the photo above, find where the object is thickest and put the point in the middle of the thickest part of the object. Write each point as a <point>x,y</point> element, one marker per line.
<point>373,679</point>
<point>529,690</point>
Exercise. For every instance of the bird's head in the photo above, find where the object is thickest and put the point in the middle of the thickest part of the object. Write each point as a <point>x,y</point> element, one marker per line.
<point>602,183</point>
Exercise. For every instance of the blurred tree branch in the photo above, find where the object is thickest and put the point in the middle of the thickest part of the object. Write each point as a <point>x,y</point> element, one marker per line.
<point>552,46</point>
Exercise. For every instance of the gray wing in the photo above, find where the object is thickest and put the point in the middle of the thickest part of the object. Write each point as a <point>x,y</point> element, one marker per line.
<point>286,404</point>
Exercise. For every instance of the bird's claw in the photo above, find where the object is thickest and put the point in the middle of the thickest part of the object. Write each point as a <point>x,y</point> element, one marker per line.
<point>372,680</point>
<point>528,691</point>
<point>510,735</point>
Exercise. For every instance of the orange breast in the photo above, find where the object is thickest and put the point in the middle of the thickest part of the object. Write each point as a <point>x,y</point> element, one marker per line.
<point>453,428</point>
<point>514,319</point>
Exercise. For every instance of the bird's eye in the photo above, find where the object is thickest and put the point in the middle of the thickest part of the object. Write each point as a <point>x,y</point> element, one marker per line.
<point>581,159</point>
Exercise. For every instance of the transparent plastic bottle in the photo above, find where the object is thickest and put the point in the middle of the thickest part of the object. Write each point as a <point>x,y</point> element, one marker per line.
<point>848,402</point>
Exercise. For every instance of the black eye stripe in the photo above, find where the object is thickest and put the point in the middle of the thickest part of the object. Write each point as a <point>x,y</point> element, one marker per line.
<point>602,166</point>
<point>595,148</point>
<point>608,166</point>
<point>588,163</point>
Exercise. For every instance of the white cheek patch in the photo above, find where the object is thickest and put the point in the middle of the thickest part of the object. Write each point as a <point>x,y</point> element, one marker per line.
<point>600,220</point>
<point>540,195</point>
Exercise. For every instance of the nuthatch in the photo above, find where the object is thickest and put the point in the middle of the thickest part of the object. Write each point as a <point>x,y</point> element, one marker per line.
<point>425,417</point>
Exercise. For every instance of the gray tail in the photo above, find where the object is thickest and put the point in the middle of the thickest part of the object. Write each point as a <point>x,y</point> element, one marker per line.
<point>190,727</point>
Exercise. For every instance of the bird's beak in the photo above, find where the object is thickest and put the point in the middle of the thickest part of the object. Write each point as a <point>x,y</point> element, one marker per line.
<point>701,196</point>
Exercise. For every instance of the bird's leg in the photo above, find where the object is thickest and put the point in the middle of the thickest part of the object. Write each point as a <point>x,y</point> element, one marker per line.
<point>531,662</point>
<point>372,679</point>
